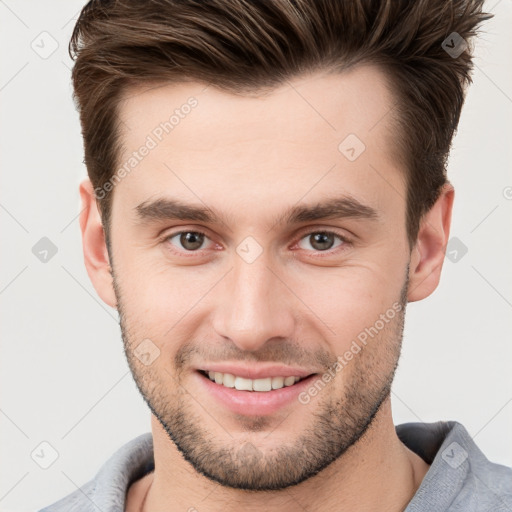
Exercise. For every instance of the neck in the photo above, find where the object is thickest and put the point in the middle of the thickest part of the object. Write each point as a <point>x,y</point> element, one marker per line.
<point>359,480</point>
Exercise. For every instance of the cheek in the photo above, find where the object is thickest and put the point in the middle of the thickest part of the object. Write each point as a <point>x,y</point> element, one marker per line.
<point>160,303</point>
<point>150,286</point>
<point>351,297</point>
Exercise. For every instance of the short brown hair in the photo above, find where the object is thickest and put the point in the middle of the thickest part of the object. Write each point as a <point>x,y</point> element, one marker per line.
<point>246,46</point>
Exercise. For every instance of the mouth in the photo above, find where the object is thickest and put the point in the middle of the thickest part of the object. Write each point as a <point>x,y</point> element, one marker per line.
<point>255,391</point>
<point>265,385</point>
<point>250,401</point>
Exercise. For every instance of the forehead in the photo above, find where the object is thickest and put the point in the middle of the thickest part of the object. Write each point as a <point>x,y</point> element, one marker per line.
<point>357,100</point>
<point>305,137</point>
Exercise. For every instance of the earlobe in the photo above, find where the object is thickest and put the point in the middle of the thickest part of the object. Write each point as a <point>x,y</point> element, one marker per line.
<point>427,256</point>
<point>96,257</point>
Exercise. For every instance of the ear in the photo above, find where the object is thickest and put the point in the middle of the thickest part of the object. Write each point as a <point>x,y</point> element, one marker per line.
<point>427,256</point>
<point>96,257</point>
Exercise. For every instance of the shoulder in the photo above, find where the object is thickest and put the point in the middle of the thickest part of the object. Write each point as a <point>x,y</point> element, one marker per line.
<point>460,478</point>
<point>80,500</point>
<point>489,484</point>
<point>107,490</point>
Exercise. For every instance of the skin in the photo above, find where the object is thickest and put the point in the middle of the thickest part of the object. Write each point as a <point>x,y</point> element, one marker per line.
<point>250,158</point>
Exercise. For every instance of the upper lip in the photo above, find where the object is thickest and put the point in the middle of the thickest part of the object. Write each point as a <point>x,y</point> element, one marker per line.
<point>256,372</point>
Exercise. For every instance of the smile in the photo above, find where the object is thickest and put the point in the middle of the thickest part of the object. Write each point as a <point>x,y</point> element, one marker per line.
<point>229,380</point>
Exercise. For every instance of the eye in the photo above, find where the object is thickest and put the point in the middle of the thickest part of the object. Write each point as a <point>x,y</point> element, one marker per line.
<point>193,241</point>
<point>190,241</point>
<point>322,241</point>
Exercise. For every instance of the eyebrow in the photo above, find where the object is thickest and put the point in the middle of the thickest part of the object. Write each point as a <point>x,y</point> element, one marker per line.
<point>334,208</point>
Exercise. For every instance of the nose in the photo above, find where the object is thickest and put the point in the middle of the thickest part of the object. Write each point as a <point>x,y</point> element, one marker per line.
<point>254,304</point>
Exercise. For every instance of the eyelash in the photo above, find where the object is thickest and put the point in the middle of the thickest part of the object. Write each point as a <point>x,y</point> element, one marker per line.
<point>343,246</point>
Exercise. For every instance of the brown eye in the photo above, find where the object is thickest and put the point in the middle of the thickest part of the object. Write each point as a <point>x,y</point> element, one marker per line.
<point>322,240</point>
<point>189,240</point>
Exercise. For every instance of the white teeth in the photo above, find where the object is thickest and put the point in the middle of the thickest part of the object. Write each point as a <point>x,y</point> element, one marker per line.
<point>277,382</point>
<point>240,383</point>
<point>262,384</point>
<point>289,381</point>
<point>228,380</point>
<point>231,381</point>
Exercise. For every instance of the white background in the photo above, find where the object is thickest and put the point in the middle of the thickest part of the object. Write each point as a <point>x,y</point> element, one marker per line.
<point>64,378</point>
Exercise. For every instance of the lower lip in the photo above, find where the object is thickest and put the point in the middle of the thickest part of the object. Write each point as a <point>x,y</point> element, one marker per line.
<point>254,403</point>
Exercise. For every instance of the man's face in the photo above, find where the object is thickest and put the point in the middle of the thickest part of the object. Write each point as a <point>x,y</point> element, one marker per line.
<point>254,288</point>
